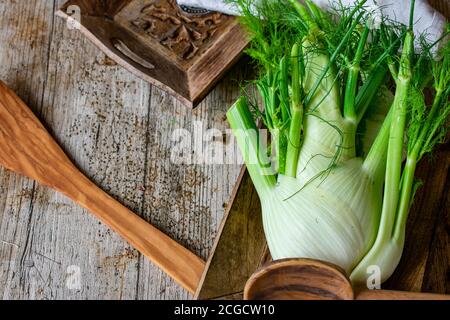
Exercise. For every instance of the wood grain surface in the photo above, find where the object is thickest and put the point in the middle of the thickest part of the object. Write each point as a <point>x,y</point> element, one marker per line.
<point>299,279</point>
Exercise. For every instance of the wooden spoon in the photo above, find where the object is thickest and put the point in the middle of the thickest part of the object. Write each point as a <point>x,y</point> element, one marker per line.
<point>308,279</point>
<point>27,148</point>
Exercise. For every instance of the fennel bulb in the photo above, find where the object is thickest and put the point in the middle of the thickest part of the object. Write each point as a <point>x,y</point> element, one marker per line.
<point>335,188</point>
<point>323,222</point>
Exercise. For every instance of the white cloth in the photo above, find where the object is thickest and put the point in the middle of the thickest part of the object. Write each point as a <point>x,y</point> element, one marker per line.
<point>214,5</point>
<point>427,20</point>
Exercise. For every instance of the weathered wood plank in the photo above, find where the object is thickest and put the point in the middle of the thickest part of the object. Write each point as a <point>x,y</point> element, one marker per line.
<point>25,40</point>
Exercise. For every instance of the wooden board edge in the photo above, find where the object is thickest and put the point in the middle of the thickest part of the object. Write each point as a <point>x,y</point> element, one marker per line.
<point>128,65</point>
<point>221,228</point>
<point>235,34</point>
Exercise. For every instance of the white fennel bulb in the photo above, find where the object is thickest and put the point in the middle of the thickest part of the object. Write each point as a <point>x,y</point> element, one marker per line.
<point>333,220</point>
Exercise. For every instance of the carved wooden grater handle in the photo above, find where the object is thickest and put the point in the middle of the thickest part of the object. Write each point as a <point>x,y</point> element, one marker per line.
<point>120,46</point>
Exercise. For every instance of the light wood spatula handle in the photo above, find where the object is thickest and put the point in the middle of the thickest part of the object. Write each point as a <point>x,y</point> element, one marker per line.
<point>27,148</point>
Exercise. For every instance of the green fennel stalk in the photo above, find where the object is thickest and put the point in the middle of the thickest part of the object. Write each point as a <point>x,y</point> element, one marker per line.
<point>323,77</point>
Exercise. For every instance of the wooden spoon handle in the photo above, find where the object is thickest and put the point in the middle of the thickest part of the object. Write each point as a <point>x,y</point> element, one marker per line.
<point>399,295</point>
<point>27,148</point>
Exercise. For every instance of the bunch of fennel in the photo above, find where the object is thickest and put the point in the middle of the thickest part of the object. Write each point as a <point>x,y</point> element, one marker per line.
<point>333,185</point>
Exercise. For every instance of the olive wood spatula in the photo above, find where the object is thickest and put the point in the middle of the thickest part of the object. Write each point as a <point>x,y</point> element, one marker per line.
<point>27,148</point>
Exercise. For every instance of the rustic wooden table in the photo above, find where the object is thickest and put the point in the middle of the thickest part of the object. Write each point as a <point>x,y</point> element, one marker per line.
<point>118,130</point>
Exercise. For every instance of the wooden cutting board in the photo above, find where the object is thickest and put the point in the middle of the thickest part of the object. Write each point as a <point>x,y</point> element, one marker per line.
<point>184,52</point>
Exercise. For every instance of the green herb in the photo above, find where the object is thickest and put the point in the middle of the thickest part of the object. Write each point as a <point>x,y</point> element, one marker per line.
<point>339,190</point>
